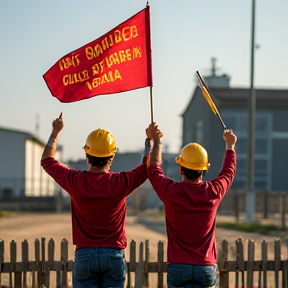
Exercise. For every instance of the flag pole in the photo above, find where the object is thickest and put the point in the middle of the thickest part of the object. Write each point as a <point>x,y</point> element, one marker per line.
<point>149,63</point>
<point>151,104</point>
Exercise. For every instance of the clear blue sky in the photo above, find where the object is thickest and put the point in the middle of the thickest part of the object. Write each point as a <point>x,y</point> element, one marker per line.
<point>186,34</point>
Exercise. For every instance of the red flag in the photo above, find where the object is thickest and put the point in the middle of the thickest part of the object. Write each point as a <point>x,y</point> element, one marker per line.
<point>116,62</point>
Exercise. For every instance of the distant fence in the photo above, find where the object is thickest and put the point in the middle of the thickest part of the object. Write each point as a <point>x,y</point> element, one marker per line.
<point>37,273</point>
<point>267,203</point>
<point>29,186</point>
<point>56,203</point>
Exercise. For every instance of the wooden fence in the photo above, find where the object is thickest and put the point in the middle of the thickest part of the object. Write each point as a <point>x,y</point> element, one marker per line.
<point>268,205</point>
<point>238,272</point>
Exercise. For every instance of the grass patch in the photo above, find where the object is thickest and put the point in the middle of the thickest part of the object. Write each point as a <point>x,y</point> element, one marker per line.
<point>264,229</point>
<point>5,214</point>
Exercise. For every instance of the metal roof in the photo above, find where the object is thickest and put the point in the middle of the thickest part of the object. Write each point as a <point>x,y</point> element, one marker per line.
<point>29,135</point>
<point>232,95</point>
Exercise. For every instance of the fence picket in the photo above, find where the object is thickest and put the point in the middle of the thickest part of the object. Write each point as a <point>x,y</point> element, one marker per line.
<point>224,276</point>
<point>284,274</point>
<point>146,262</point>
<point>37,260</point>
<point>160,260</point>
<point>25,250</point>
<point>12,261</point>
<point>264,262</point>
<point>240,262</point>
<point>64,260</point>
<point>51,249</point>
<point>250,276</point>
<point>1,257</point>
<point>139,268</point>
<point>43,271</point>
<point>277,258</point>
<point>143,267</point>
<point>132,263</point>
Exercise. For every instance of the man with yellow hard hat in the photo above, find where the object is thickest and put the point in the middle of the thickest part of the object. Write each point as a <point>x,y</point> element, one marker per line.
<point>98,207</point>
<point>190,209</point>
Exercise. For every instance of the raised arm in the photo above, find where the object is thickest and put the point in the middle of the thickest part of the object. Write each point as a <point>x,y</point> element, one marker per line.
<point>227,173</point>
<point>51,146</point>
<point>146,150</point>
<point>230,138</point>
<point>155,157</point>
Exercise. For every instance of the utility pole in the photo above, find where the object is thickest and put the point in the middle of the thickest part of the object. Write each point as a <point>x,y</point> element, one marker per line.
<point>250,199</point>
<point>37,124</point>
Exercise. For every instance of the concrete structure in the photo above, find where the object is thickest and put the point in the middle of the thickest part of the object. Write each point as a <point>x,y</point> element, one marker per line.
<point>20,172</point>
<point>201,125</point>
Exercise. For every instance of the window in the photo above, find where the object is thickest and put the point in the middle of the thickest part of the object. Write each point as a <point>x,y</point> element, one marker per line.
<point>238,121</point>
<point>199,132</point>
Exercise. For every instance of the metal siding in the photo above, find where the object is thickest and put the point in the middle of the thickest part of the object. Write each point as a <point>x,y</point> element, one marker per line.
<point>279,165</point>
<point>36,183</point>
<point>280,119</point>
<point>12,161</point>
<point>16,165</point>
<point>12,154</point>
<point>216,148</point>
<point>198,110</point>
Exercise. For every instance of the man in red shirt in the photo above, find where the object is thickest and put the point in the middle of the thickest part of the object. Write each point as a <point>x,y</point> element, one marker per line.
<point>190,210</point>
<point>98,207</point>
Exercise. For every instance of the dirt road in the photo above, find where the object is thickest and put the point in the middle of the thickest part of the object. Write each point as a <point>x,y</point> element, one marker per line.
<point>31,226</point>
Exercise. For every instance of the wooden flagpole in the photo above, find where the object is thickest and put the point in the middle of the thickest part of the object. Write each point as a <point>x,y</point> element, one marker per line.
<point>151,94</point>
<point>151,104</point>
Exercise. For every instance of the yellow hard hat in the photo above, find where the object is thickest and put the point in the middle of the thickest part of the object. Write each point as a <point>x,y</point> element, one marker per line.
<point>100,143</point>
<point>193,156</point>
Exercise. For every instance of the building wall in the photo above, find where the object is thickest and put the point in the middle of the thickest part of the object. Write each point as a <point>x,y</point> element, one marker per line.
<point>20,170</point>
<point>238,120</point>
<point>38,182</point>
<point>12,154</point>
<point>280,118</point>
<point>271,140</point>
<point>216,147</point>
<point>12,162</point>
<point>196,121</point>
<point>279,165</point>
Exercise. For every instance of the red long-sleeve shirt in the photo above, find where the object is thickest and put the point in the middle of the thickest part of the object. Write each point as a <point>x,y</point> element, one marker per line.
<point>191,211</point>
<point>98,202</point>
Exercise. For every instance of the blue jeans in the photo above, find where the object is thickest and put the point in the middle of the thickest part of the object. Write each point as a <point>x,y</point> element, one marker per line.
<point>99,267</point>
<point>191,276</point>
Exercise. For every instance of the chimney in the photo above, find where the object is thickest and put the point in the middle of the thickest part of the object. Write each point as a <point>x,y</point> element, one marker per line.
<point>214,80</point>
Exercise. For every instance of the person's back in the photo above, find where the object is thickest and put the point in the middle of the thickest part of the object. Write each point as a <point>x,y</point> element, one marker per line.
<point>98,202</point>
<point>190,210</point>
<point>98,208</point>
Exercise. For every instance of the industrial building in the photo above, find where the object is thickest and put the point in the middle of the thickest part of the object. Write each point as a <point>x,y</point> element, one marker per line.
<point>20,172</point>
<point>201,125</point>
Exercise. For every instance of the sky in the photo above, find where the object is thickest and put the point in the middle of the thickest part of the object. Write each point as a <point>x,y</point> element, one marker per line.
<point>186,34</point>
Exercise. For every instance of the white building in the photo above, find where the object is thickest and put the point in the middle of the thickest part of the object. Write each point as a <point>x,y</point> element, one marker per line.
<point>20,170</point>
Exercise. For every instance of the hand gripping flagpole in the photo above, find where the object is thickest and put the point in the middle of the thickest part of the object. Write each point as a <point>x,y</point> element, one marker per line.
<point>208,98</point>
